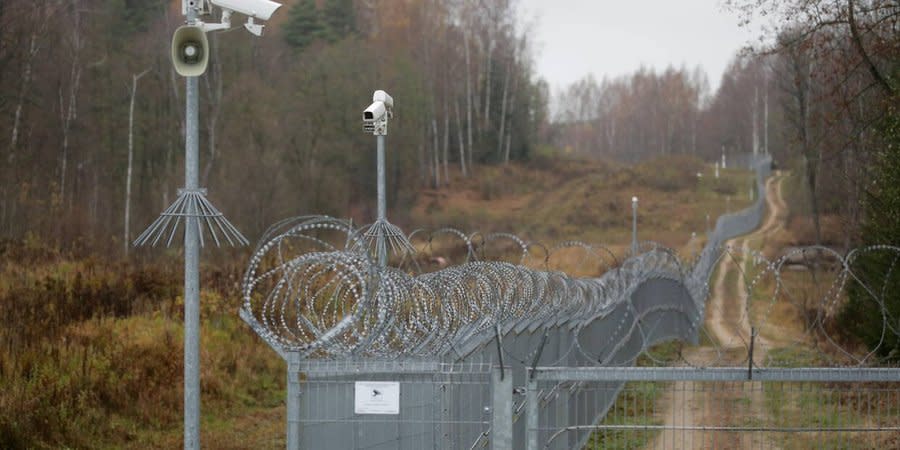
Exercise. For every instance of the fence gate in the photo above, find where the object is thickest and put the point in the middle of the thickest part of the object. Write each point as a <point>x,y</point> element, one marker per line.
<point>389,405</point>
<point>686,408</point>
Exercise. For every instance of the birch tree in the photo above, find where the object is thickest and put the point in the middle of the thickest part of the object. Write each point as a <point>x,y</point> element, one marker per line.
<point>126,237</point>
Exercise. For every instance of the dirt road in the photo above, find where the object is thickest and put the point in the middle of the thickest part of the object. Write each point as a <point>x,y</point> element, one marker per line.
<point>688,404</point>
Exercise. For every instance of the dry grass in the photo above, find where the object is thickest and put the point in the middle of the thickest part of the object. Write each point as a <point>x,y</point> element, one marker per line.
<point>586,200</point>
<point>91,356</point>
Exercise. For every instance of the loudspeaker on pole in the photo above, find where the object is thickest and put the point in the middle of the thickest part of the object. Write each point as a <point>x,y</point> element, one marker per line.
<point>190,51</point>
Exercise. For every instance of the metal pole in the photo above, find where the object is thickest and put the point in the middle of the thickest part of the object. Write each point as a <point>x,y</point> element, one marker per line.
<point>531,412</point>
<point>380,246</point>
<point>501,410</point>
<point>634,241</point>
<point>191,268</point>
<point>293,401</point>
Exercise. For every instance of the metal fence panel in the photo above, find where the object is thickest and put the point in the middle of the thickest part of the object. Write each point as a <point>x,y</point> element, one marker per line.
<point>441,406</point>
<point>678,408</point>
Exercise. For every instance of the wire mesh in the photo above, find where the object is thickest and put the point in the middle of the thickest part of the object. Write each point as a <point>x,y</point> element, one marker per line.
<point>689,409</point>
<point>442,406</point>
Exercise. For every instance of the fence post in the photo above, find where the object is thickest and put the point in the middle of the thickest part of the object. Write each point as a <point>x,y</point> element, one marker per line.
<point>531,411</point>
<point>634,241</point>
<point>293,401</point>
<point>501,409</point>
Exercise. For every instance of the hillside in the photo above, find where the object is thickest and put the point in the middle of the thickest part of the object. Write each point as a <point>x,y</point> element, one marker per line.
<point>551,200</point>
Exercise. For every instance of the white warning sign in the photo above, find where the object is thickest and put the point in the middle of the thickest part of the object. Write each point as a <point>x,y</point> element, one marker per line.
<point>377,397</point>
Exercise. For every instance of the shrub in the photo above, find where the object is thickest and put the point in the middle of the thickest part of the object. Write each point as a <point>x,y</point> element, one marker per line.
<point>724,186</point>
<point>669,174</point>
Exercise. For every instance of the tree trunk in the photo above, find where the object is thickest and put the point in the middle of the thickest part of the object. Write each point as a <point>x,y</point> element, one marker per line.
<point>69,112</point>
<point>755,121</point>
<point>766,116</point>
<point>459,135</point>
<point>810,156</point>
<point>126,239</point>
<point>512,113</point>
<point>214,91</point>
<point>68,115</point>
<point>436,158</point>
<point>880,79</point>
<point>508,144</point>
<point>23,91</point>
<point>468,95</point>
<point>487,85</point>
<point>446,143</point>
<point>502,130</point>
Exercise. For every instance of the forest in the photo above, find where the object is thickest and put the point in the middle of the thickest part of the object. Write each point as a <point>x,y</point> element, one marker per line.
<point>93,111</point>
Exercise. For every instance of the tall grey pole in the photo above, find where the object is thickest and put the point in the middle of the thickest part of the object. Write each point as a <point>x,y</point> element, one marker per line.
<point>634,241</point>
<point>191,267</point>
<point>380,245</point>
<point>195,210</point>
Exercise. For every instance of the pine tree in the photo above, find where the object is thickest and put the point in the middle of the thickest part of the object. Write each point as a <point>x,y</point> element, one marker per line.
<point>339,18</point>
<point>875,296</point>
<point>304,25</point>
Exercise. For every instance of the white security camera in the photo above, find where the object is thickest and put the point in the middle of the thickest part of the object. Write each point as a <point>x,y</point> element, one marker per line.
<point>375,117</point>
<point>381,96</point>
<point>253,9</point>
<point>256,9</point>
<point>375,111</point>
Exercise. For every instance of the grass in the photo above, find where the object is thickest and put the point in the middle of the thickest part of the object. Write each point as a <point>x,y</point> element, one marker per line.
<point>635,405</point>
<point>825,406</point>
<point>91,357</point>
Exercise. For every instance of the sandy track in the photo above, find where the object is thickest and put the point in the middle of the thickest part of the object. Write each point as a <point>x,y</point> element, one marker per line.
<point>727,322</point>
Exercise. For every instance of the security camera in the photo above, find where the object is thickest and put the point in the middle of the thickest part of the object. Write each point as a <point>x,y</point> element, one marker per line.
<point>381,96</point>
<point>255,9</point>
<point>375,111</point>
<point>375,117</point>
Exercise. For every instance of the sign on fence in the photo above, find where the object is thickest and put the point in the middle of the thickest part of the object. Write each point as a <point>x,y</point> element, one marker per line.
<point>376,397</point>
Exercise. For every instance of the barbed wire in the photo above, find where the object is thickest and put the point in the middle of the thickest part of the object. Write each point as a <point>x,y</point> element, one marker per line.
<point>324,299</point>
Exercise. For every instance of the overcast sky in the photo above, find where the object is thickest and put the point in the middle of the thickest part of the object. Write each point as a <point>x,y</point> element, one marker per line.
<point>614,37</point>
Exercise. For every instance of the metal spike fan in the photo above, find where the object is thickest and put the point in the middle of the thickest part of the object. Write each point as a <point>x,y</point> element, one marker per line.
<point>191,203</point>
<point>394,238</point>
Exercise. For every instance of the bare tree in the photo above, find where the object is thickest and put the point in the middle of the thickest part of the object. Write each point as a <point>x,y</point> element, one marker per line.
<point>68,100</point>
<point>462,145</point>
<point>214,93</point>
<point>126,238</point>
